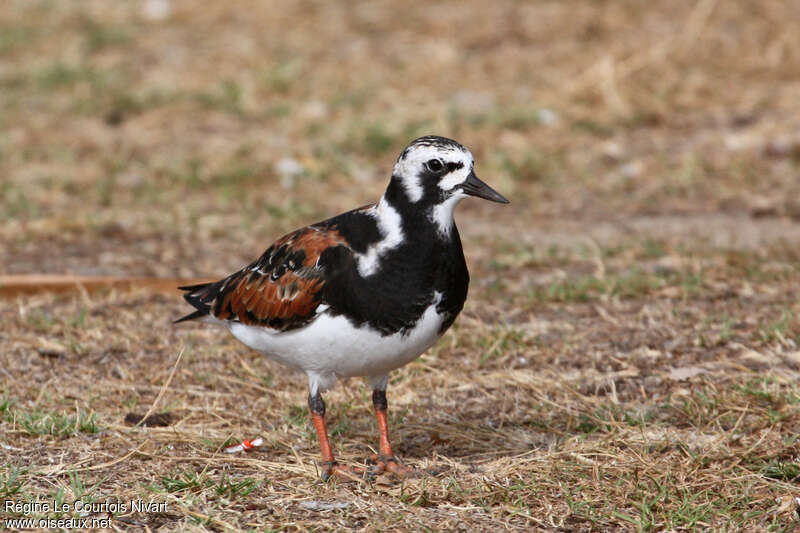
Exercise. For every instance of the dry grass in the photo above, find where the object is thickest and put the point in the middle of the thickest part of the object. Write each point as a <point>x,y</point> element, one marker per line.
<point>628,358</point>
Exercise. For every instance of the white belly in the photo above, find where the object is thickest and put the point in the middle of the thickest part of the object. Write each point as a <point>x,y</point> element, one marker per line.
<point>331,347</point>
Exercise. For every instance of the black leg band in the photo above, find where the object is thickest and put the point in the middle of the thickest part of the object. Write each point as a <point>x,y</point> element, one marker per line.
<point>379,400</point>
<point>316,404</point>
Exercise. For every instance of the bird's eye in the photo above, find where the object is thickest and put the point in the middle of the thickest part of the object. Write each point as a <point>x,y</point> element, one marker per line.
<point>435,165</point>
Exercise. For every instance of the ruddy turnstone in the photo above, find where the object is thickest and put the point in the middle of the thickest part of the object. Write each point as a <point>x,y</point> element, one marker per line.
<point>362,293</point>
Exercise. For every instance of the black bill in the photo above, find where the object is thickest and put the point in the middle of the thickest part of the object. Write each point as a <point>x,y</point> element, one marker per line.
<point>475,187</point>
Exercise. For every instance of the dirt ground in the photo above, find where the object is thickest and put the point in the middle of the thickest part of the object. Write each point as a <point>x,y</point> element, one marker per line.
<point>627,359</point>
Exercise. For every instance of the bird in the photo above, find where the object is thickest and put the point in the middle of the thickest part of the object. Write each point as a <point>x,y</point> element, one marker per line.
<point>359,294</point>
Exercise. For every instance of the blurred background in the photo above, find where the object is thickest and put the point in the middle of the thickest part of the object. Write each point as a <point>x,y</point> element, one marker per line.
<point>179,138</point>
<point>628,356</point>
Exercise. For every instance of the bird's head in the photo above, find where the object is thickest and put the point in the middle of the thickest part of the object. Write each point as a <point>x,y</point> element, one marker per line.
<point>434,174</point>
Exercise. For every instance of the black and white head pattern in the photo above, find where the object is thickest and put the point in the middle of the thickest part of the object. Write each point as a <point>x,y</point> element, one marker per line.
<point>431,168</point>
<point>431,176</point>
<point>432,171</point>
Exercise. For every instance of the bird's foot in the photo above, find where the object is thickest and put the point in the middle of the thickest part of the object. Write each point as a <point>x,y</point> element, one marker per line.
<point>388,463</point>
<point>341,472</point>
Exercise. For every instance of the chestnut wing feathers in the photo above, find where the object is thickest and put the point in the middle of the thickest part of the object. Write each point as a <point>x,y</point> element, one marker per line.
<point>281,290</point>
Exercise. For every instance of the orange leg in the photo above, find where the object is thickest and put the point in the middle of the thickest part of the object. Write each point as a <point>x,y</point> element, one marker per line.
<point>329,465</point>
<point>386,461</point>
<point>385,446</point>
<point>322,436</point>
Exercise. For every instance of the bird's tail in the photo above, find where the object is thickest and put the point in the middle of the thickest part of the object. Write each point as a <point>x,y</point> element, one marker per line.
<point>200,297</point>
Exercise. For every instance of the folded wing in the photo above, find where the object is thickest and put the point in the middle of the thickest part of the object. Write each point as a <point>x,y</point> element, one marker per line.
<point>282,290</point>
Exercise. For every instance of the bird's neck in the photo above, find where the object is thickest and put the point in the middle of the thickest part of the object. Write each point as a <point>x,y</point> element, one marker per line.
<point>421,219</point>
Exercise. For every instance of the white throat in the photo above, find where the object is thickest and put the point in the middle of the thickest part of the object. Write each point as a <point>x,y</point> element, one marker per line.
<point>442,214</point>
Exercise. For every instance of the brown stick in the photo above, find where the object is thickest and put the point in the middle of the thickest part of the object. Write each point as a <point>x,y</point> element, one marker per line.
<point>12,285</point>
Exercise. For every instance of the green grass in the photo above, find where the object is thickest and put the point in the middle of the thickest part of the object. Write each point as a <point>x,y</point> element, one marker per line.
<point>13,37</point>
<point>633,284</point>
<point>10,482</point>
<point>500,342</point>
<point>226,97</point>
<point>36,422</point>
<point>232,490</point>
<point>783,471</point>
<point>61,75</point>
<point>101,36</point>
<point>777,330</point>
<point>186,482</point>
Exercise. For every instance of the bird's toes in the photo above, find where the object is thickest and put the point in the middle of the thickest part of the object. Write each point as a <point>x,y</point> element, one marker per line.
<point>342,472</point>
<point>402,471</point>
<point>382,464</point>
